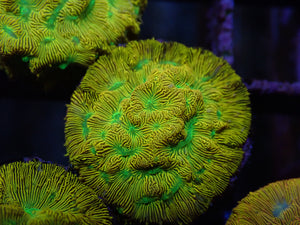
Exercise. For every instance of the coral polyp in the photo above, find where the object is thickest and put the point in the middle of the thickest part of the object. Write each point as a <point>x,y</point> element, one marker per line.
<point>37,193</point>
<point>276,203</point>
<point>157,129</point>
<point>47,33</point>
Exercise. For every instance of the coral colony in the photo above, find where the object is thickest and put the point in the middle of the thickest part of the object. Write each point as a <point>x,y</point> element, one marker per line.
<point>47,33</point>
<point>156,130</point>
<point>276,203</point>
<point>38,193</point>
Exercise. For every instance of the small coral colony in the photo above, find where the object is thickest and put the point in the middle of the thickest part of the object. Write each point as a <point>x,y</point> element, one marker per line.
<point>155,130</point>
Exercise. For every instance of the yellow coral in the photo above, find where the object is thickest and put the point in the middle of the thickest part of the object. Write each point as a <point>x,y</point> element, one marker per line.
<point>47,33</point>
<point>36,193</point>
<point>276,203</point>
<point>157,129</point>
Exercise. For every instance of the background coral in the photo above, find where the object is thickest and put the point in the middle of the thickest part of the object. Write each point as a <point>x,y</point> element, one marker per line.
<point>36,193</point>
<point>157,129</point>
<point>276,203</point>
<point>47,33</point>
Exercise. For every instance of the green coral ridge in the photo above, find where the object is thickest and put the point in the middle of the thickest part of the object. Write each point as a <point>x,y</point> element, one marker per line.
<point>61,32</point>
<point>35,193</point>
<point>276,203</point>
<point>157,129</point>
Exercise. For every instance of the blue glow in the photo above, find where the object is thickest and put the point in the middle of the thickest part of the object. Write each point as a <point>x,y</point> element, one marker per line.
<point>279,208</point>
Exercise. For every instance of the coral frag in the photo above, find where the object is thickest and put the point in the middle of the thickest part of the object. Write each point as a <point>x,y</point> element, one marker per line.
<point>35,193</point>
<point>277,203</point>
<point>157,129</point>
<point>60,32</point>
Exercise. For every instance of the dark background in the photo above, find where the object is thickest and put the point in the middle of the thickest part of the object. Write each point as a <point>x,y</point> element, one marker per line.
<point>266,41</point>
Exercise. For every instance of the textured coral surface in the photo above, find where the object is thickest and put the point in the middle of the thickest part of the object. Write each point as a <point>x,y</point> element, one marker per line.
<point>60,32</point>
<point>157,129</point>
<point>36,193</point>
<point>277,203</point>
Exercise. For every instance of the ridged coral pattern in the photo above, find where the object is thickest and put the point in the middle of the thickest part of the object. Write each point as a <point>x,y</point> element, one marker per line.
<point>157,129</point>
<point>277,203</point>
<point>37,194</point>
<point>60,32</point>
